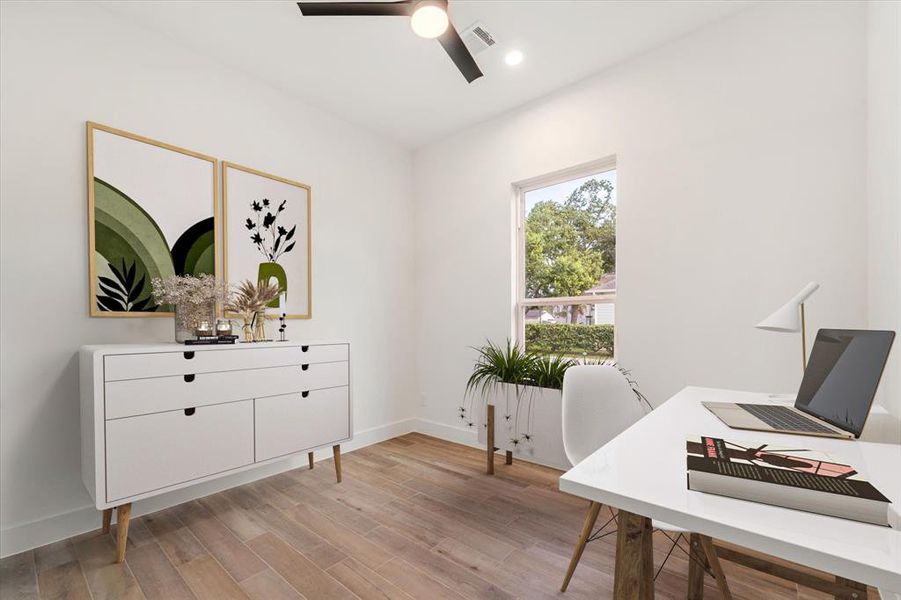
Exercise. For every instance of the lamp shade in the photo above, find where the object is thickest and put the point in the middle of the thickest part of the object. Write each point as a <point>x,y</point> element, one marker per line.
<point>787,318</point>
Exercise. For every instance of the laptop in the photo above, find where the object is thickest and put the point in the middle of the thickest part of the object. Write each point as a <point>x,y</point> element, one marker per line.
<point>836,392</point>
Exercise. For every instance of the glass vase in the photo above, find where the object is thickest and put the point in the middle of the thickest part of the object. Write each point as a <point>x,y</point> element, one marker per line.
<point>188,316</point>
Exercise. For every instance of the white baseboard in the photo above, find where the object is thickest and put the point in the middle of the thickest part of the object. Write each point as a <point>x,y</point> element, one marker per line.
<point>22,537</point>
<point>461,435</point>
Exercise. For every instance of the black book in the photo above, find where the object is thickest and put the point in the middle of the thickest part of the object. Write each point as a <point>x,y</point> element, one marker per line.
<point>794,478</point>
<point>209,341</point>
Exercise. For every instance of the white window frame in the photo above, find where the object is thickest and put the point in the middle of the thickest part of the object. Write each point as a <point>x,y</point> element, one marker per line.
<point>520,188</point>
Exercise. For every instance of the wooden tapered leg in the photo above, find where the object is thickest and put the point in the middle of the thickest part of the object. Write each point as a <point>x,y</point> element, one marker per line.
<point>697,561</point>
<point>508,460</point>
<point>336,449</point>
<point>590,520</point>
<point>310,456</point>
<point>123,515</point>
<point>107,519</point>
<point>490,445</point>
<point>715,566</point>
<point>634,572</point>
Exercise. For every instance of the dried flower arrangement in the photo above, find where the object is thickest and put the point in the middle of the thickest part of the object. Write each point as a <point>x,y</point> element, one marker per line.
<point>249,300</point>
<point>194,298</point>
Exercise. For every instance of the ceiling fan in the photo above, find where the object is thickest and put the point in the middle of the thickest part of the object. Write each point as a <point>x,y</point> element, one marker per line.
<point>428,18</point>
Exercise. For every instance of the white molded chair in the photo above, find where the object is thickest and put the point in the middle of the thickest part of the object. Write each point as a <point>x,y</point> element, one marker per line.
<point>598,405</point>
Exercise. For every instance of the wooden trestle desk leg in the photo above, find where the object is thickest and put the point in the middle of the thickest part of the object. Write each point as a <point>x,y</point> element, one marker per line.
<point>509,458</point>
<point>634,572</point>
<point>715,566</point>
<point>337,450</point>
<point>696,568</point>
<point>123,515</point>
<point>310,456</point>
<point>490,444</point>
<point>859,594</point>
<point>107,519</point>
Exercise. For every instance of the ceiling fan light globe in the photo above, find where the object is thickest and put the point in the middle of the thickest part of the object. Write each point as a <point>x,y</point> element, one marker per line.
<point>429,20</point>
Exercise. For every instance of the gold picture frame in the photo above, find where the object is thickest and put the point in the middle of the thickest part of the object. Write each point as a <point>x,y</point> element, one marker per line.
<point>91,128</point>
<point>309,229</point>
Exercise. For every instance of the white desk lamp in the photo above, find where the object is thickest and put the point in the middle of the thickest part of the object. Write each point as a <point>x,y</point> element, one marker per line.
<point>787,320</point>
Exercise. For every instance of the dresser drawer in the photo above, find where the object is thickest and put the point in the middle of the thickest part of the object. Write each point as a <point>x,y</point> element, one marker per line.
<point>151,452</point>
<point>132,397</point>
<point>190,361</point>
<point>295,422</point>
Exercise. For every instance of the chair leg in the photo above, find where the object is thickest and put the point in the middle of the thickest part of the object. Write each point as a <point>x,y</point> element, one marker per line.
<point>668,554</point>
<point>310,458</point>
<point>593,510</point>
<point>713,559</point>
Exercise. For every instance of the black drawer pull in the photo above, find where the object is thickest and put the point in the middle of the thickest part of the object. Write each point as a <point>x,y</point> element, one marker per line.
<point>189,355</point>
<point>189,378</point>
<point>304,367</point>
<point>304,348</point>
<point>190,411</point>
<point>305,394</point>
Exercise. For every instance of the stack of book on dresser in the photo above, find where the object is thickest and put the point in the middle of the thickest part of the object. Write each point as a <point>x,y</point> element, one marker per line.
<point>211,340</point>
<point>795,478</point>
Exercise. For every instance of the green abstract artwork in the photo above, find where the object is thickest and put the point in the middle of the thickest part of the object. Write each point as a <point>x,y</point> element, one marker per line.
<point>153,216</point>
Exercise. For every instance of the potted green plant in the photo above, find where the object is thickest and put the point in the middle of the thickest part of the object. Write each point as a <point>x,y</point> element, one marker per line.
<point>526,390</point>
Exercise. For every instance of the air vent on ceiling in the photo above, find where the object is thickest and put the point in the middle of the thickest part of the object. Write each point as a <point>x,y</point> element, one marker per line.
<point>477,38</point>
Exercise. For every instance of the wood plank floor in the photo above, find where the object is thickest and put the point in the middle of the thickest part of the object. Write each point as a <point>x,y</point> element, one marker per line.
<point>415,517</point>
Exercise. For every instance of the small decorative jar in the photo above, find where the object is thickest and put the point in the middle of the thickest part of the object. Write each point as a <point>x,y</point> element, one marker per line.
<point>223,327</point>
<point>204,329</point>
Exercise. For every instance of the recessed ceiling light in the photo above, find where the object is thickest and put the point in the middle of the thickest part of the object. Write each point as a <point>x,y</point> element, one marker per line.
<point>513,58</point>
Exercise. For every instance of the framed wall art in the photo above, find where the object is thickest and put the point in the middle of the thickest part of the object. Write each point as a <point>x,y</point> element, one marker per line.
<point>152,212</point>
<point>267,222</point>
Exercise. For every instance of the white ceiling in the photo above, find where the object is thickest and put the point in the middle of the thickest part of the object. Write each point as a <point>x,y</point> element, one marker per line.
<point>374,71</point>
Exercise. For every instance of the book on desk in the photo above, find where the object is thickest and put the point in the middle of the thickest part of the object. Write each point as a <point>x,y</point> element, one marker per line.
<point>792,478</point>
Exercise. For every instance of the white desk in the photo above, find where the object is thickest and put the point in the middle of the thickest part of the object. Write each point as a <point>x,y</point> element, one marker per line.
<point>642,471</point>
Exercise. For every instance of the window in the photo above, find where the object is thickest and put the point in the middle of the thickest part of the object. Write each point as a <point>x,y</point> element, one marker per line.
<point>566,262</point>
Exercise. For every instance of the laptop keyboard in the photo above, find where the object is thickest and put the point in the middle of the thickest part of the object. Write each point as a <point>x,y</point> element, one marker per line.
<point>784,419</point>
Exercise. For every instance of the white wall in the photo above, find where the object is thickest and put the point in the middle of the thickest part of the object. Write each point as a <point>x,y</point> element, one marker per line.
<point>63,64</point>
<point>884,185</point>
<point>742,176</point>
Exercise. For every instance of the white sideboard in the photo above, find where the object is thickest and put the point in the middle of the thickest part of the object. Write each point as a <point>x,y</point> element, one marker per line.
<point>156,418</point>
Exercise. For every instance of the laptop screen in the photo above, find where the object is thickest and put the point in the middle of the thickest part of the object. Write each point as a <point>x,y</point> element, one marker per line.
<point>842,376</point>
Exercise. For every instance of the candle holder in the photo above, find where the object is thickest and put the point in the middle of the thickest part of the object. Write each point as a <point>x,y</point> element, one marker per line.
<point>281,328</point>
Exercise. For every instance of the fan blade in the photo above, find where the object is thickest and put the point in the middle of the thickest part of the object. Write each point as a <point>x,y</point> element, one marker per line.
<point>453,44</point>
<point>356,9</point>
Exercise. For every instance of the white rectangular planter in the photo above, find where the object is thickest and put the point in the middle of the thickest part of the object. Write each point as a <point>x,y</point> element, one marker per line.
<point>532,416</point>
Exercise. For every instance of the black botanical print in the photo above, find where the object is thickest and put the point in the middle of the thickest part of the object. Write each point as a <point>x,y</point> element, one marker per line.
<point>122,293</point>
<point>271,239</point>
